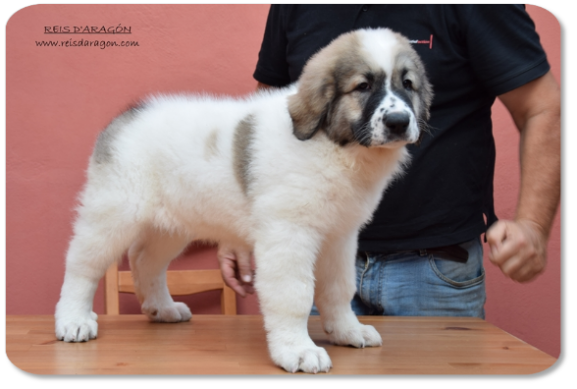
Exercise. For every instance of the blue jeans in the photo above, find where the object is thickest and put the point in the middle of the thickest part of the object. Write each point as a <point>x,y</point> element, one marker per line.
<point>420,284</point>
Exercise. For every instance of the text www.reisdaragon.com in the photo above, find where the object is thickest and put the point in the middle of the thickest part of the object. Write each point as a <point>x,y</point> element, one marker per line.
<point>101,44</point>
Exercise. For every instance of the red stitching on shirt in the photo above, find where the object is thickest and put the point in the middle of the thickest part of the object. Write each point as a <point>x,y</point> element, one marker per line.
<point>424,42</point>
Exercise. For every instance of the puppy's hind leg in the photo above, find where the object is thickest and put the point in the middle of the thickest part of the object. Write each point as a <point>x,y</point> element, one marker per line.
<point>95,246</point>
<point>149,259</point>
<point>335,274</point>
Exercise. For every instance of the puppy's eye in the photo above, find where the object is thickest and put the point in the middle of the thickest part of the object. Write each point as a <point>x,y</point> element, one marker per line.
<point>363,86</point>
<point>408,84</point>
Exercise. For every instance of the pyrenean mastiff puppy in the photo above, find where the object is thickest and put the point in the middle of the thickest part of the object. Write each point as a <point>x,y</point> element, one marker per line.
<point>290,175</point>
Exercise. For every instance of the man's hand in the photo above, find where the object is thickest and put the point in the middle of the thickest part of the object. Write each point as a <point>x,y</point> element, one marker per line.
<point>519,248</point>
<point>235,265</point>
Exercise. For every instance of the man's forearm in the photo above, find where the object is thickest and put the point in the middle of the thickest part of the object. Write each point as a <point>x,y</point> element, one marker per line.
<point>535,108</point>
<point>540,155</point>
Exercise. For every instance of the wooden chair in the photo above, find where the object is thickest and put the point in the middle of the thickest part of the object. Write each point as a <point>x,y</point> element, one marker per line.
<point>179,283</point>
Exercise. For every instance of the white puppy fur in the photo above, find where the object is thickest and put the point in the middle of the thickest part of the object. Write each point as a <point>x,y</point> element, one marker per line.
<point>291,175</point>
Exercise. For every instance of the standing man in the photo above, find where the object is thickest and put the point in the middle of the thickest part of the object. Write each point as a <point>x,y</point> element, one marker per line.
<point>422,254</point>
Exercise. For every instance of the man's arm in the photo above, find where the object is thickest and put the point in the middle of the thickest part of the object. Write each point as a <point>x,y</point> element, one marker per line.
<point>261,86</point>
<point>236,268</point>
<point>519,247</point>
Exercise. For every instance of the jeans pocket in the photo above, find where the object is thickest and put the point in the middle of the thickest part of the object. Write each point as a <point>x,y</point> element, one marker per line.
<point>456,274</point>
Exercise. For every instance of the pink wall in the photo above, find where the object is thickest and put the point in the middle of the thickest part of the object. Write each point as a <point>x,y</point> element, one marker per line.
<point>531,311</point>
<point>59,98</point>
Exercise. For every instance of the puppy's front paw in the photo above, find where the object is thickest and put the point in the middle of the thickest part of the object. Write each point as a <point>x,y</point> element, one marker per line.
<point>311,359</point>
<point>77,329</point>
<point>173,313</point>
<point>358,335</point>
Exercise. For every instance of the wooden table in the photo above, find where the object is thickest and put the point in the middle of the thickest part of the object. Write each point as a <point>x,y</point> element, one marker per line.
<point>216,344</point>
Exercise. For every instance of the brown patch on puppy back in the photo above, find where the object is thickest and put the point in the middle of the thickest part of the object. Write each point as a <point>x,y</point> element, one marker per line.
<point>243,138</point>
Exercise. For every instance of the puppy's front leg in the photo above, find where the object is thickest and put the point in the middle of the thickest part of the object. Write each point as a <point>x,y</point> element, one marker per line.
<point>285,256</point>
<point>335,273</point>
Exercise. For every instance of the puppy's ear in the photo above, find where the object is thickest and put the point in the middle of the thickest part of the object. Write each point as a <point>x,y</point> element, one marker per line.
<point>317,86</point>
<point>309,107</point>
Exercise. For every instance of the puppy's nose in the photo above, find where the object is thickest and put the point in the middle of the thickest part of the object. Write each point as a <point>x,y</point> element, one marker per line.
<point>397,122</point>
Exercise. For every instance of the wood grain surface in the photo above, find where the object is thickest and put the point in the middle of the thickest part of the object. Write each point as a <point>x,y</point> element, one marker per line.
<point>218,344</point>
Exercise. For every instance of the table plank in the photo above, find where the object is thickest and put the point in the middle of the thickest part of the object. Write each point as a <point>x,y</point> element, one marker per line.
<point>217,344</point>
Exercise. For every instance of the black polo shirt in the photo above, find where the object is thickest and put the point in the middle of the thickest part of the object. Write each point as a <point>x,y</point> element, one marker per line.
<point>472,54</point>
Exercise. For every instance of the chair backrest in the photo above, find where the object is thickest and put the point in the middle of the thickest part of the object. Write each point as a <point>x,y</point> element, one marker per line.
<point>181,282</point>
